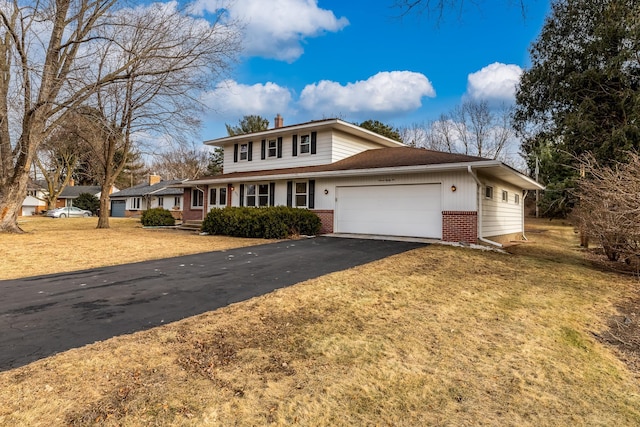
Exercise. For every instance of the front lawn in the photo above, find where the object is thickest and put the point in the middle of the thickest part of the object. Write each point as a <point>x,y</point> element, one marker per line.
<point>437,336</point>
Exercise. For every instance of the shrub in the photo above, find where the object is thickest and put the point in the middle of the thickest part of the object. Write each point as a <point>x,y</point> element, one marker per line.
<point>157,217</point>
<point>88,202</point>
<point>268,223</point>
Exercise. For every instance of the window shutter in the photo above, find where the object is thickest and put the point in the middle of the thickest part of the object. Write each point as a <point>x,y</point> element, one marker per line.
<point>294,146</point>
<point>250,148</point>
<point>241,194</point>
<point>263,150</point>
<point>312,194</point>
<point>290,193</point>
<point>235,153</point>
<point>279,147</point>
<point>272,193</point>
<point>313,142</point>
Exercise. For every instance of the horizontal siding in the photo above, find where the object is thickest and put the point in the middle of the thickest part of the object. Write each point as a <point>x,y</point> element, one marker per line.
<point>322,156</point>
<point>500,217</point>
<point>345,145</point>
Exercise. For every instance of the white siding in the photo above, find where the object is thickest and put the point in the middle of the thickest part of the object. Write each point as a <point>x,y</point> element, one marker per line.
<point>345,145</point>
<point>498,217</point>
<point>322,156</point>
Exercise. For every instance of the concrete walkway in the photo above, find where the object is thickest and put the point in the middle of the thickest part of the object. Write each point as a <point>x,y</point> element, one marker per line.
<point>40,316</point>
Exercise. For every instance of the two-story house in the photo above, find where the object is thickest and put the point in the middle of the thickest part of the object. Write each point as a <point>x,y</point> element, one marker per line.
<point>360,182</point>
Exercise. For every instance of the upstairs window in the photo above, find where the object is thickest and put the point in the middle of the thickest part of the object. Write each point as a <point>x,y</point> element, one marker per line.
<point>273,148</point>
<point>244,151</point>
<point>305,144</point>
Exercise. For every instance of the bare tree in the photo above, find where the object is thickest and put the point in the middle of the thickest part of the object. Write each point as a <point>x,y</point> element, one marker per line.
<point>182,163</point>
<point>607,209</point>
<point>137,70</point>
<point>438,8</point>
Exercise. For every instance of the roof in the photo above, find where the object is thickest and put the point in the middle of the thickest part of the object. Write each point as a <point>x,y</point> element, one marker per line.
<point>315,125</point>
<point>73,191</point>
<point>160,189</point>
<point>393,160</point>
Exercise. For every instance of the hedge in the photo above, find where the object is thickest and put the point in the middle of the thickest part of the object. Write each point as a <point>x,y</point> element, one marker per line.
<point>276,222</point>
<point>157,217</point>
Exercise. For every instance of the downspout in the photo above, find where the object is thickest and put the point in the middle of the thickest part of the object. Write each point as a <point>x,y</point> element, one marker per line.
<point>479,200</point>
<point>523,199</point>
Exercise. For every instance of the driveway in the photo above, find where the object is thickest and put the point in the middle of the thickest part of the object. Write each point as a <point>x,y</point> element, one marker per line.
<point>44,315</point>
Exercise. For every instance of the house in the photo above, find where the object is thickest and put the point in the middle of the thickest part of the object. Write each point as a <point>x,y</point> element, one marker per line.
<point>72,191</point>
<point>34,203</point>
<point>363,183</point>
<point>131,202</point>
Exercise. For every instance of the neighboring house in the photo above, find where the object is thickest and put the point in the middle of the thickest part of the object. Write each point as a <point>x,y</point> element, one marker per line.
<point>34,203</point>
<point>131,202</point>
<point>72,191</point>
<point>360,182</point>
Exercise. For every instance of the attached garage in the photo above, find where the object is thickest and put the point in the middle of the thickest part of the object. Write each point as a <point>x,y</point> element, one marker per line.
<point>390,210</point>
<point>118,208</point>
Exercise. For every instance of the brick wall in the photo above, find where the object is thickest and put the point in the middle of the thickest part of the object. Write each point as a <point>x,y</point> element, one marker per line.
<point>326,218</point>
<point>187,212</point>
<point>460,226</point>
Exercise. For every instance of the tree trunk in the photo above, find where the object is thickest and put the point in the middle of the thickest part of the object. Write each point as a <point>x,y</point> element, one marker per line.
<point>103,218</point>
<point>11,198</point>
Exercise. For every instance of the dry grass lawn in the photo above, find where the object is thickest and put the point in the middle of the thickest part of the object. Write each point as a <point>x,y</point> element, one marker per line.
<point>67,244</point>
<point>439,336</point>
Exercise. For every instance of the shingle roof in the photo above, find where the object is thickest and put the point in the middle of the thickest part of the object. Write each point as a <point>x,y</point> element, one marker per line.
<point>73,191</point>
<point>370,159</point>
<point>159,189</point>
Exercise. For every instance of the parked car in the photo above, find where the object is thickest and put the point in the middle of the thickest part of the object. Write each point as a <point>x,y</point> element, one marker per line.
<point>68,212</point>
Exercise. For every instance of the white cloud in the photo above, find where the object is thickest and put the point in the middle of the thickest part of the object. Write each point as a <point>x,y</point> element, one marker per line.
<point>385,92</point>
<point>276,28</point>
<point>234,100</point>
<point>495,82</point>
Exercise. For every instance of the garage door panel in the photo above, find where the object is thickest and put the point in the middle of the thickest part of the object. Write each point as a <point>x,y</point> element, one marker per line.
<point>395,210</point>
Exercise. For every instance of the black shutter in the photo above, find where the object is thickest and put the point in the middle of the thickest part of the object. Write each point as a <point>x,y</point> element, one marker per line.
<point>290,193</point>
<point>313,142</point>
<point>235,153</point>
<point>241,194</point>
<point>312,193</point>
<point>263,150</point>
<point>294,146</point>
<point>279,147</point>
<point>272,194</point>
<point>249,155</point>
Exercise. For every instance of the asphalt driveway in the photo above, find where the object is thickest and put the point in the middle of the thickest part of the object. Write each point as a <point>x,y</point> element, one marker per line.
<point>44,315</point>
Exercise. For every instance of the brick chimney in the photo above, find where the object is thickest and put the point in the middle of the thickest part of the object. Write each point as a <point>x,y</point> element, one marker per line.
<point>72,182</point>
<point>154,179</point>
<point>278,122</point>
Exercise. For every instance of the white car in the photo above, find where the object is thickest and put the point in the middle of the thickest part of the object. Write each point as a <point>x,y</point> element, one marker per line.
<point>68,212</point>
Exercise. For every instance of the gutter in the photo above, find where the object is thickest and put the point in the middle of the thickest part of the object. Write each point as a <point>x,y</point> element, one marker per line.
<point>479,199</point>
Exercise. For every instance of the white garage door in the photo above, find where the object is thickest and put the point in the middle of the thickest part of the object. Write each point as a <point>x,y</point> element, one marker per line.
<point>390,210</point>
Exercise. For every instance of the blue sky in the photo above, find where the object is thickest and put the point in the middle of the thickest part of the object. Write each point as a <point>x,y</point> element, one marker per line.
<point>309,60</point>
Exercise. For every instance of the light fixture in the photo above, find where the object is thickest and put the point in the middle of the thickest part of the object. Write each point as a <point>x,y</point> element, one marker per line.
<point>326,191</point>
<point>232,188</point>
<point>453,188</point>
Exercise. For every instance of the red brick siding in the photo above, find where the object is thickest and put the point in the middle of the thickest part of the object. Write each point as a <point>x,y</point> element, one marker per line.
<point>326,218</point>
<point>460,226</point>
<point>187,212</point>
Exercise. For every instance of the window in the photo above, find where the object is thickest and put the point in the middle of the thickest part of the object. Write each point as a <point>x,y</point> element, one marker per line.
<point>197,198</point>
<point>516,199</point>
<point>244,151</point>
<point>251,194</point>
<point>223,197</point>
<point>301,194</point>
<point>273,148</point>
<point>31,193</point>
<point>176,202</point>
<point>488,192</point>
<point>505,196</point>
<point>160,202</point>
<point>305,144</point>
<point>135,203</point>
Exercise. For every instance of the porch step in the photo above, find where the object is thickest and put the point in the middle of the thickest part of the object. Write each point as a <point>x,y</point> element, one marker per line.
<point>190,225</point>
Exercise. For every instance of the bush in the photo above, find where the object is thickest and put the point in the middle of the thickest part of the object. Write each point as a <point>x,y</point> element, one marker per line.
<point>88,202</point>
<point>268,223</point>
<point>157,217</point>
